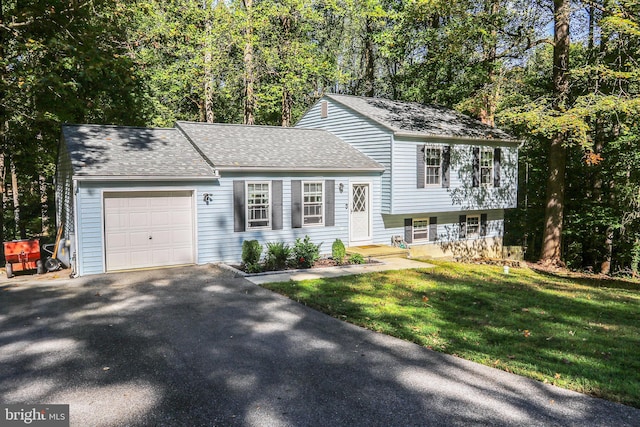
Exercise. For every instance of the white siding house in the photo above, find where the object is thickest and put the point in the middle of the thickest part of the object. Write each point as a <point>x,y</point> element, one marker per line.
<point>447,180</point>
<point>363,170</point>
<point>137,197</point>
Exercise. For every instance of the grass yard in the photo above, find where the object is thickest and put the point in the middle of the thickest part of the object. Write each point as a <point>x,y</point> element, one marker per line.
<point>577,333</point>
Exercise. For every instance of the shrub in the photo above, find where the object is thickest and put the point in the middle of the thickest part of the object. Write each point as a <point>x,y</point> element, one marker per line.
<point>251,251</point>
<point>305,253</point>
<point>278,254</point>
<point>338,251</point>
<point>356,259</point>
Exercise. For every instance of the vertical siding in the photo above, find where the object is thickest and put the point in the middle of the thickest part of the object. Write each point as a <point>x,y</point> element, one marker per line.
<point>367,136</point>
<point>461,195</point>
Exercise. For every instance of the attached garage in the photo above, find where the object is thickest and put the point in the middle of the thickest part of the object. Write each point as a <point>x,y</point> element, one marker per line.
<point>148,229</point>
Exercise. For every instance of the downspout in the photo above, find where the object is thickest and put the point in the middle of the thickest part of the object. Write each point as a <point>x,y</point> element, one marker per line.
<point>73,256</point>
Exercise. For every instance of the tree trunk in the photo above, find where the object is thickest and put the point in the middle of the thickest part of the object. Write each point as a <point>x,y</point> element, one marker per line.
<point>369,59</point>
<point>287,103</point>
<point>209,116</point>
<point>555,194</point>
<point>3,132</point>
<point>249,77</point>
<point>492,90</point>
<point>18,231</point>
<point>605,267</point>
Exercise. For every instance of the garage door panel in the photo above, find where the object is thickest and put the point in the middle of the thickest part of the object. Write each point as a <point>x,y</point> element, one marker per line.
<point>181,256</point>
<point>132,218</point>
<point>161,219</point>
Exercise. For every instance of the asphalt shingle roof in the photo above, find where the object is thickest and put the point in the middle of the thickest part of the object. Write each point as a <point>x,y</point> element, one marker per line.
<point>419,119</point>
<point>275,148</point>
<point>97,150</point>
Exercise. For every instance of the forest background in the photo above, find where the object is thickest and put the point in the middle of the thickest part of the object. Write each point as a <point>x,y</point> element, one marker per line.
<point>563,76</point>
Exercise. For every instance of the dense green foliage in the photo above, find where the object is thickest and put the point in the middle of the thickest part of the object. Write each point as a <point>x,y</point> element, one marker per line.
<point>251,253</point>
<point>576,333</point>
<point>278,256</point>
<point>338,251</point>
<point>152,62</point>
<point>305,253</point>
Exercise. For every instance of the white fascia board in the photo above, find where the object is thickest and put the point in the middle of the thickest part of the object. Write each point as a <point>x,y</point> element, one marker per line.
<point>461,139</point>
<point>144,178</point>
<point>278,169</point>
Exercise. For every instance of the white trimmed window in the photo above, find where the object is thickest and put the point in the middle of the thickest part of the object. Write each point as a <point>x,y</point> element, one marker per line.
<point>312,203</point>
<point>432,163</point>
<point>473,226</point>
<point>420,229</point>
<point>258,205</point>
<point>486,166</point>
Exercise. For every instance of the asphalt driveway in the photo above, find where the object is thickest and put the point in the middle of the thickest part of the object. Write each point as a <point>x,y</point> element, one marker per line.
<point>196,346</point>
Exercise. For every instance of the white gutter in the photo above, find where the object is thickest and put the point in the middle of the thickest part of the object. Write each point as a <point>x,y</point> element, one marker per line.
<point>456,138</point>
<point>292,169</point>
<point>143,178</point>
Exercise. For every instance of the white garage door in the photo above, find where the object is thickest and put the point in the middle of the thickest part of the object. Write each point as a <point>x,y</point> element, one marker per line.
<point>148,229</point>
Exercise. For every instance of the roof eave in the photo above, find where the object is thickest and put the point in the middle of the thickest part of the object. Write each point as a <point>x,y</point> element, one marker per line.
<point>138,178</point>
<point>455,138</point>
<point>296,169</point>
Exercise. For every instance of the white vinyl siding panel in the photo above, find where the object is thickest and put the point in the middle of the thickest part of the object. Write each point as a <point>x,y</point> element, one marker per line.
<point>447,227</point>
<point>219,243</point>
<point>364,134</point>
<point>460,196</point>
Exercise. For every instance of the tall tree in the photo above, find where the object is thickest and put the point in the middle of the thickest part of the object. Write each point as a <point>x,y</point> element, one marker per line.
<point>557,155</point>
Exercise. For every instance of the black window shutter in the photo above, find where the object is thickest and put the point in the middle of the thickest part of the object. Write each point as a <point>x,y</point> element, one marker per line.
<point>496,167</point>
<point>296,203</point>
<point>238,206</point>
<point>463,227</point>
<point>483,224</point>
<point>420,167</point>
<point>276,205</point>
<point>433,228</point>
<point>476,166</point>
<point>330,203</point>
<point>408,230</point>
<point>446,162</point>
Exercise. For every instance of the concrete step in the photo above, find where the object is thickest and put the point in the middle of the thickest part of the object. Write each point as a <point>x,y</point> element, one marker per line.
<point>378,251</point>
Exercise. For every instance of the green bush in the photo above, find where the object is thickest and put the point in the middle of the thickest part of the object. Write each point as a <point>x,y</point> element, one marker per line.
<point>278,254</point>
<point>338,251</point>
<point>305,253</point>
<point>251,251</point>
<point>356,259</point>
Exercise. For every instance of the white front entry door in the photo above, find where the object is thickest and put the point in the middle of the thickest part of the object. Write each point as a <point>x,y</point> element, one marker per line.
<point>360,213</point>
<point>148,229</point>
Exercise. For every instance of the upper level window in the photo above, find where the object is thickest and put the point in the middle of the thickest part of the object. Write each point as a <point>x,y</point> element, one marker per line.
<point>312,200</point>
<point>420,229</point>
<point>432,162</point>
<point>486,166</point>
<point>473,226</point>
<point>258,205</point>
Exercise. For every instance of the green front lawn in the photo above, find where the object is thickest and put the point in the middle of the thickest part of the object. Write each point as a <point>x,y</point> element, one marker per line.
<point>577,333</point>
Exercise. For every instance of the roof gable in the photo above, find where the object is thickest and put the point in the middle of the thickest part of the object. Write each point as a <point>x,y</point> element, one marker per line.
<point>242,147</point>
<point>416,119</point>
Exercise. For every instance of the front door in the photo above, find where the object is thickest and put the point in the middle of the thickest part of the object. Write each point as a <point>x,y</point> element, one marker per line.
<point>360,213</point>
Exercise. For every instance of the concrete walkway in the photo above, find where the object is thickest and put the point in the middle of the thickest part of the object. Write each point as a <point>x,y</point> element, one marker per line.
<point>317,273</point>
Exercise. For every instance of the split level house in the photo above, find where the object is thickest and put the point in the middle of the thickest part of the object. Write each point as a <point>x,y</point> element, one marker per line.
<point>363,170</point>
